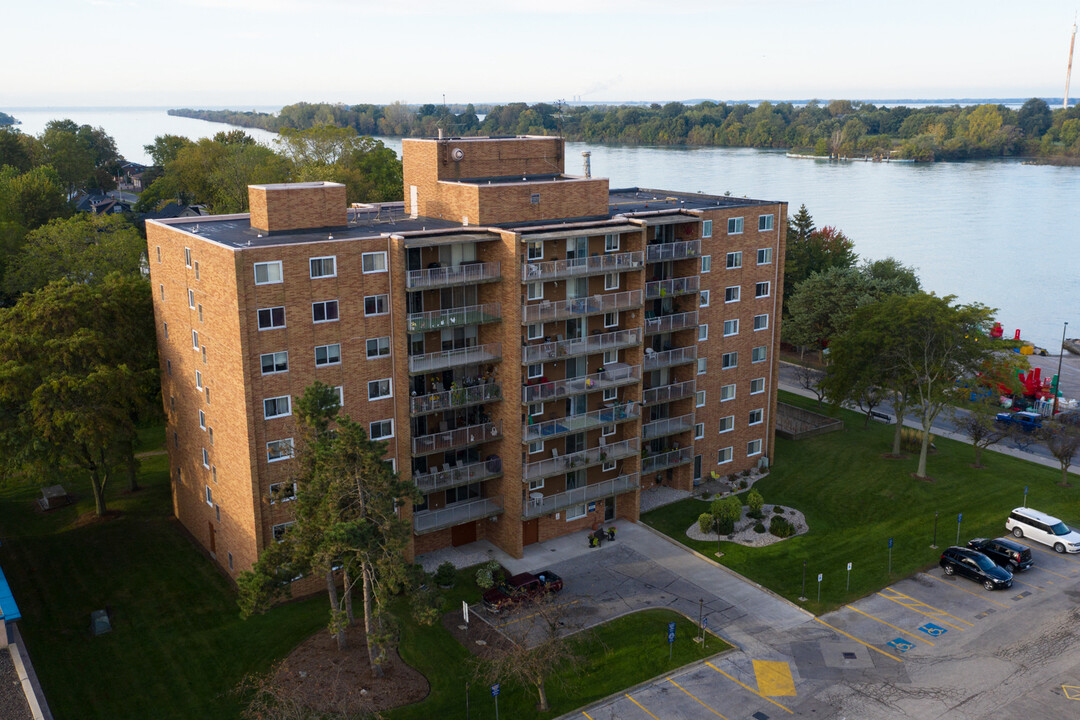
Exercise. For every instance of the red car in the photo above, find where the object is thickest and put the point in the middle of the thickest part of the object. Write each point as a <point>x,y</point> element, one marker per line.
<point>525,586</point>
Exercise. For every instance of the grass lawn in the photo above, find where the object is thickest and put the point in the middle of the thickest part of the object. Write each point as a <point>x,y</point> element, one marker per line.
<point>855,500</point>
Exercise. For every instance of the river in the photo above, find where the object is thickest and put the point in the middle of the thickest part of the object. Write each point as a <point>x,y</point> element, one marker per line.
<point>993,231</point>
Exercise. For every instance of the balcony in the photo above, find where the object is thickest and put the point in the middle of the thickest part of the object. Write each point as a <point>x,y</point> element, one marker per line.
<point>449,477</point>
<point>579,423</point>
<point>667,426</point>
<point>455,398</point>
<point>672,287</point>
<point>465,274</point>
<point>672,251</point>
<point>548,504</point>
<point>561,464</point>
<point>668,393</point>
<point>455,439</point>
<point>577,267</point>
<point>671,323</point>
<point>669,358</point>
<point>454,317</point>
<point>663,461</point>
<point>546,310</point>
<point>613,375</point>
<point>427,521</point>
<point>580,346</point>
<point>436,361</point>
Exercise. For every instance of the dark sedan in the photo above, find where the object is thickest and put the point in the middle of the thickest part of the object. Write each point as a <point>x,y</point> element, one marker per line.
<point>1008,554</point>
<point>976,566</point>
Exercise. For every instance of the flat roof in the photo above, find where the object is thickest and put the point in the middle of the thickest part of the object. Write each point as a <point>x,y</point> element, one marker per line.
<point>636,200</point>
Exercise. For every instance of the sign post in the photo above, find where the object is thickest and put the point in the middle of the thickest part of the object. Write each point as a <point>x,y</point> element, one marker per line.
<point>934,544</point>
<point>847,587</point>
<point>465,611</point>
<point>704,627</point>
<point>890,557</point>
<point>959,519</point>
<point>803,595</point>
<point>1025,495</point>
<point>819,577</point>
<point>670,639</point>
<point>495,694</point>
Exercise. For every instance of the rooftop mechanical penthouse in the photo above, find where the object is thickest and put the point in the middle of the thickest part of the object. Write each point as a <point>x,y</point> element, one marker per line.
<point>538,348</point>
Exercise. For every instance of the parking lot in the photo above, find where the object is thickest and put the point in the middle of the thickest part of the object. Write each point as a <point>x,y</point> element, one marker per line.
<point>929,646</point>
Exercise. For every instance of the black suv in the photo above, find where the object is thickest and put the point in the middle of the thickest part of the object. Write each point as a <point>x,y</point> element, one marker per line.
<point>1006,553</point>
<point>975,565</point>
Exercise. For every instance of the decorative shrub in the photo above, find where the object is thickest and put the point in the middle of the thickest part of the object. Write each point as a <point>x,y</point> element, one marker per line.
<point>754,501</point>
<point>445,574</point>
<point>746,472</point>
<point>725,526</point>
<point>779,510</point>
<point>489,575</point>
<point>755,514</point>
<point>911,439</point>
<point>742,484</point>
<point>732,477</point>
<point>780,527</point>
<point>706,522</point>
<point>759,528</point>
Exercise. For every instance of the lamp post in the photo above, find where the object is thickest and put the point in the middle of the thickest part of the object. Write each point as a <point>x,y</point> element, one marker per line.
<point>1057,385</point>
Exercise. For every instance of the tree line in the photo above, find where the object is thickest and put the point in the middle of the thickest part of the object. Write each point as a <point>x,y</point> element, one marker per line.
<point>840,128</point>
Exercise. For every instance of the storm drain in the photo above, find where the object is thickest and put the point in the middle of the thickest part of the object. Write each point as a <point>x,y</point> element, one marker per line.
<point>760,716</point>
<point>850,656</point>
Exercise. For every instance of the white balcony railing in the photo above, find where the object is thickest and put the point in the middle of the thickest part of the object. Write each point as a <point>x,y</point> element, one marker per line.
<point>672,251</point>
<point>427,521</point>
<point>613,375</point>
<point>671,323</point>
<point>596,265</point>
<point>667,426</point>
<point>663,461</point>
<point>672,287</point>
<point>436,479</point>
<point>547,310</point>
<point>669,358</point>
<point>668,393</point>
<point>561,464</point>
<point>589,345</point>
<point>456,438</point>
<point>547,504</point>
<point>454,317</point>
<point>455,398</point>
<point>578,423</point>
<point>433,362</point>
<point>463,274</point>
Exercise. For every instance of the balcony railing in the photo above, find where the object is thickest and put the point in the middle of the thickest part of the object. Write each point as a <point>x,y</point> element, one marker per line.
<point>457,438</point>
<point>671,323</point>
<point>580,346</point>
<point>456,398</point>
<point>596,491</point>
<point>663,461</point>
<point>433,362</point>
<point>436,480</point>
<point>427,521</point>
<point>667,426</point>
<point>669,358</point>
<point>668,393</point>
<point>672,251</point>
<point>464,274</point>
<point>547,310</point>
<point>578,423</point>
<point>454,317</point>
<point>586,458</point>
<point>596,265</point>
<point>672,287</point>
<point>613,375</point>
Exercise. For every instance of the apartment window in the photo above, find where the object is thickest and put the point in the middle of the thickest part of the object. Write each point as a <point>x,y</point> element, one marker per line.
<point>731,327</point>
<point>734,260</point>
<point>267,273</point>
<point>727,424</point>
<point>535,250</point>
<point>325,311</point>
<point>279,450</point>
<point>376,305</point>
<point>198,380</point>
<point>196,269</point>
<point>734,226</point>
<point>378,347</point>
<point>187,257</point>
<point>700,398</point>
<point>195,339</point>
<point>536,484</point>
<point>162,289</point>
<point>732,294</point>
<point>535,331</point>
<point>611,356</point>
<point>204,354</point>
<point>536,370</point>
<point>761,289</point>
<point>381,430</point>
<point>697,467</point>
<point>702,365</point>
<point>611,243</point>
<point>761,322</point>
<point>536,409</point>
<point>200,313</point>
<point>723,456</point>
<point>340,396</point>
<point>764,256</point>
<point>753,448</point>
<point>706,263</point>
<point>175,440</point>
<point>282,492</point>
<point>758,354</point>
<point>729,360</point>
<point>575,512</point>
<point>328,355</point>
<point>172,403</point>
<point>608,466</point>
<point>207,395</point>
<point>702,332</point>
<point>704,302</point>
<point>277,407</point>
<point>764,222</point>
<point>209,496</point>
<point>607,430</point>
<point>611,281</point>
<point>274,362</point>
<point>202,420</point>
<point>611,319</point>
<point>757,386</point>
<point>191,298</point>
<point>378,389</point>
<point>280,529</point>
<point>159,253</point>
<point>706,228</point>
<point>756,416</point>
<point>230,561</point>
<point>535,291</point>
<point>727,392</point>
<point>210,433</point>
<point>699,431</point>
<point>271,318</point>
<point>373,262</point>
<point>205,459</point>
<point>536,447</point>
<point>611,394</point>
<point>322,267</point>
<point>168,368</point>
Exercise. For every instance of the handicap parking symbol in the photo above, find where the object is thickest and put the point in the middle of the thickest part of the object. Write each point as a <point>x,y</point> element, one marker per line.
<point>901,644</point>
<point>933,630</point>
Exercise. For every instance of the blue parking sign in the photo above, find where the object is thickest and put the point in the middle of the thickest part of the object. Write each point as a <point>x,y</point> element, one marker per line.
<point>495,690</point>
<point>671,631</point>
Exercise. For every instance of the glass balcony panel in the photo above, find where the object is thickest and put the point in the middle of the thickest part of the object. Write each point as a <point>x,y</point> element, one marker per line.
<point>547,310</point>
<point>454,317</point>
<point>660,252</point>
<point>667,426</point>
<point>672,287</point>
<point>669,358</point>
<point>433,362</point>
<point>547,504</point>
<point>427,521</point>
<point>613,375</point>
<point>667,393</point>
<point>456,438</point>
<point>578,423</point>
<point>590,345</point>
<point>663,461</point>
<point>456,398</point>
<point>436,480</point>
<point>596,265</point>
<point>562,464</point>
<point>464,274</point>
<point>671,323</point>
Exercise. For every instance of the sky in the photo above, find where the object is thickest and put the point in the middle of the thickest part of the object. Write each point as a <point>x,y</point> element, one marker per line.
<point>247,53</point>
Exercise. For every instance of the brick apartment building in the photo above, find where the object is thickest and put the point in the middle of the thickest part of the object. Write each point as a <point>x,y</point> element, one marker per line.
<point>537,348</point>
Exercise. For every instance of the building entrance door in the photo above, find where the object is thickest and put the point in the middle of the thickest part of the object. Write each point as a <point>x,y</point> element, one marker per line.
<point>530,532</point>
<point>463,534</point>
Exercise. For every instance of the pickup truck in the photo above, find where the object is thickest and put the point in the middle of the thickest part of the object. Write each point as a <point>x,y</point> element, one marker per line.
<point>1026,421</point>
<point>525,586</point>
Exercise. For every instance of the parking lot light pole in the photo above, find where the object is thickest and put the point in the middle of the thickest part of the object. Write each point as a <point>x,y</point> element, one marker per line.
<point>1057,383</point>
<point>803,595</point>
<point>934,544</point>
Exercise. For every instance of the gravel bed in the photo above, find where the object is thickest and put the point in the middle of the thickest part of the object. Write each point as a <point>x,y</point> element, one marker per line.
<point>660,495</point>
<point>744,528</point>
<point>13,705</point>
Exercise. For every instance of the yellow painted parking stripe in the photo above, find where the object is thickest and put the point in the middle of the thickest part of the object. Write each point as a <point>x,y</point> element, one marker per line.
<point>691,695</point>
<point>749,688</point>
<point>1048,551</point>
<point>1039,567</point>
<point>858,640</point>
<point>774,678</point>
<point>906,632</point>
<point>1021,582</point>
<point>640,706</point>
<point>954,586</point>
<point>586,715</point>
<point>932,616</point>
<point>937,614</point>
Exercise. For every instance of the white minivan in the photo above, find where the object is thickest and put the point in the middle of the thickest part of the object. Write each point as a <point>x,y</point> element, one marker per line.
<point>1043,528</point>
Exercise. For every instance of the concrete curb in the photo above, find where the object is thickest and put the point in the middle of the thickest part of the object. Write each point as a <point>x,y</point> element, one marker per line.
<point>35,698</point>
